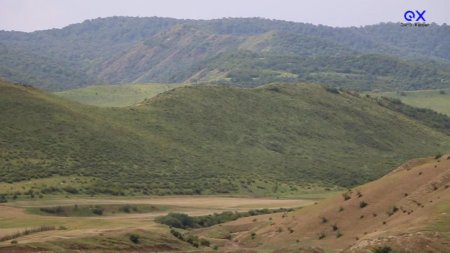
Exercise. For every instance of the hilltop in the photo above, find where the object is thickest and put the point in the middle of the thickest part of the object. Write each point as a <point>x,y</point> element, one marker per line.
<point>274,140</point>
<point>236,51</point>
<point>407,211</point>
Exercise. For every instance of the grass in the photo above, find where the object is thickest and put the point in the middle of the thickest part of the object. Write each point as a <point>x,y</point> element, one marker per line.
<point>115,95</point>
<point>437,100</point>
<point>442,223</point>
<point>113,232</point>
<point>278,140</point>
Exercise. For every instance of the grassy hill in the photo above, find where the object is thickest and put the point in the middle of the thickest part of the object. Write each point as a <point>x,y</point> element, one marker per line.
<point>115,95</point>
<point>437,100</point>
<point>275,140</point>
<point>406,211</point>
<point>236,51</point>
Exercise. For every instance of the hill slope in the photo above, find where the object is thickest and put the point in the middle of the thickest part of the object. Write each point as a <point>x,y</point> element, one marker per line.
<point>275,140</point>
<point>138,50</point>
<point>115,95</point>
<point>408,210</point>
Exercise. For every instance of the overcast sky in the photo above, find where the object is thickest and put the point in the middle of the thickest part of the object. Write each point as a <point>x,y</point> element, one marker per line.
<point>30,15</point>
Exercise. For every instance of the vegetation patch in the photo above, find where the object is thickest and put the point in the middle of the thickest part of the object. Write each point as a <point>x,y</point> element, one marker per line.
<point>94,210</point>
<point>184,221</point>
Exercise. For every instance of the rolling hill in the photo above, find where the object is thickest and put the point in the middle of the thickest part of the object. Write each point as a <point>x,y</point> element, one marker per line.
<point>405,211</point>
<point>237,51</point>
<point>273,140</point>
<point>115,95</point>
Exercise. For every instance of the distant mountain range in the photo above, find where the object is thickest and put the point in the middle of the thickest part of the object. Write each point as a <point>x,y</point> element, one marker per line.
<point>245,52</point>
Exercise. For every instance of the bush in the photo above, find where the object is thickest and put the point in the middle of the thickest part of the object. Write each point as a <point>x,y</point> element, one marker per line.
<point>363,204</point>
<point>97,211</point>
<point>321,235</point>
<point>134,238</point>
<point>180,220</point>
<point>380,249</point>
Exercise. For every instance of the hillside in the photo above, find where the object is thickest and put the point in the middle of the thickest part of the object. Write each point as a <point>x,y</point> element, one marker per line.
<point>115,95</point>
<point>406,211</point>
<point>274,140</point>
<point>237,51</point>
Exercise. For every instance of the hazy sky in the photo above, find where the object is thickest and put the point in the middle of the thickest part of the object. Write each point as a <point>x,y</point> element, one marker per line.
<point>30,15</point>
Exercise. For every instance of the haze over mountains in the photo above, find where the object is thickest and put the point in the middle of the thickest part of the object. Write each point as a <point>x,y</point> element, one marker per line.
<point>244,52</point>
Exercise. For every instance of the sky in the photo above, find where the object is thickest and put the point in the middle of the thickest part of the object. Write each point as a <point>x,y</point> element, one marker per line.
<point>31,15</point>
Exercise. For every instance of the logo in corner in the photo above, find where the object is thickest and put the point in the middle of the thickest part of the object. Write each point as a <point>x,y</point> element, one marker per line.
<point>416,16</point>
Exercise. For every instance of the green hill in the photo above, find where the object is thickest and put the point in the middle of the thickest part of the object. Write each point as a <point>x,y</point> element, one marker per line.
<point>237,51</point>
<point>273,140</point>
<point>115,95</point>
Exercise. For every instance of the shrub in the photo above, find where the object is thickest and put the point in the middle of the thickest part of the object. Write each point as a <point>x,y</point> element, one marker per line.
<point>134,238</point>
<point>324,219</point>
<point>253,235</point>
<point>380,249</point>
<point>363,204</point>
<point>334,227</point>
<point>204,242</point>
<point>321,235</point>
<point>392,210</point>
<point>346,196</point>
<point>97,211</point>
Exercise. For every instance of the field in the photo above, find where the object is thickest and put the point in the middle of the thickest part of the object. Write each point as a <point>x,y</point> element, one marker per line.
<point>115,95</point>
<point>437,100</point>
<point>90,232</point>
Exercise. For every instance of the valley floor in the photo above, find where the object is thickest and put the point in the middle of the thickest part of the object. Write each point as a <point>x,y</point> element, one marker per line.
<point>111,230</point>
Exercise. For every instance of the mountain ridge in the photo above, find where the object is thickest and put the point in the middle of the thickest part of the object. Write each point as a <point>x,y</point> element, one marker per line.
<point>88,53</point>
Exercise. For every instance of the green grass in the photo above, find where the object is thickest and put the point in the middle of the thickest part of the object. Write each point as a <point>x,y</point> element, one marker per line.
<point>278,140</point>
<point>430,99</point>
<point>115,95</point>
<point>442,223</point>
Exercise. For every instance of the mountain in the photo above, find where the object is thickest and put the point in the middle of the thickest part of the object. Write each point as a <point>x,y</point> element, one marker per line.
<point>407,210</point>
<point>235,51</point>
<point>272,140</point>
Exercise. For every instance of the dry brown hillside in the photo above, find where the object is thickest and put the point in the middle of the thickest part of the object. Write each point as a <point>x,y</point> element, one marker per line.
<point>407,210</point>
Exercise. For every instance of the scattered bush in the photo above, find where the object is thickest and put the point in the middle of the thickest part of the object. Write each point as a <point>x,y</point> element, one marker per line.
<point>134,238</point>
<point>321,235</point>
<point>97,211</point>
<point>392,210</point>
<point>334,227</point>
<point>346,196</point>
<point>363,204</point>
<point>382,249</point>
